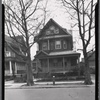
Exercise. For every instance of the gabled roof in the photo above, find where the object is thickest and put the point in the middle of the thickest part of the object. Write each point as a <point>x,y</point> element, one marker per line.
<point>51,21</point>
<point>42,52</point>
<point>10,41</point>
<point>13,41</point>
<point>57,53</point>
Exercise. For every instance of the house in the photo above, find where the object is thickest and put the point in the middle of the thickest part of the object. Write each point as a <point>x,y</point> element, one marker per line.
<point>55,50</point>
<point>14,64</point>
<point>92,59</point>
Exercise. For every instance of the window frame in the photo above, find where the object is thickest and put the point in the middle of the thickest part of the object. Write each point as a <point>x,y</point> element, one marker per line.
<point>46,46</point>
<point>58,44</point>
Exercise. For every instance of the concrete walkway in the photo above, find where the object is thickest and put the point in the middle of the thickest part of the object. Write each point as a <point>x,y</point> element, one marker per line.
<point>60,84</point>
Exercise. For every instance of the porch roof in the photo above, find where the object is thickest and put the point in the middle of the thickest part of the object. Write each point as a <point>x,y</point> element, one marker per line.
<point>63,53</point>
<point>14,59</point>
<point>43,54</point>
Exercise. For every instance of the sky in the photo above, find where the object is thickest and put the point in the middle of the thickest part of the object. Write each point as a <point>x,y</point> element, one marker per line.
<point>57,13</point>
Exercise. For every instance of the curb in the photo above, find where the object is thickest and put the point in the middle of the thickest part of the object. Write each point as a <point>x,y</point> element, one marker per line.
<point>43,86</point>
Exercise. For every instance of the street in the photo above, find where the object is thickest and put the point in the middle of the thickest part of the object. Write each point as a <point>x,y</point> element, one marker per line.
<point>75,93</point>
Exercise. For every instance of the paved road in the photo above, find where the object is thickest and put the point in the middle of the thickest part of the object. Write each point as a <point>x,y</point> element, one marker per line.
<point>79,93</point>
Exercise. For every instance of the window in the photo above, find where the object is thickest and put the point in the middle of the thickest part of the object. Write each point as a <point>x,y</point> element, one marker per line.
<point>58,45</point>
<point>52,28</point>
<point>44,46</point>
<point>7,54</point>
<point>64,44</point>
<point>56,31</point>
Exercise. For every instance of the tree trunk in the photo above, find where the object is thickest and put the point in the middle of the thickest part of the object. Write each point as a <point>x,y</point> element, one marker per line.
<point>87,72</point>
<point>29,74</point>
<point>29,70</point>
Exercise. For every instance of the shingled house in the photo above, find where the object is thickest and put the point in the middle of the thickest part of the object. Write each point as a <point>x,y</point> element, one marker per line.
<point>13,63</point>
<point>55,50</point>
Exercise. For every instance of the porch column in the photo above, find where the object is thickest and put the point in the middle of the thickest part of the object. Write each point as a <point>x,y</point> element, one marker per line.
<point>48,45</point>
<point>48,64</point>
<point>15,68</point>
<point>10,64</point>
<point>63,64</point>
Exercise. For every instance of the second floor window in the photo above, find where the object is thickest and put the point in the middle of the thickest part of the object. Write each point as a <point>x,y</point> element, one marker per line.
<point>44,46</point>
<point>57,44</point>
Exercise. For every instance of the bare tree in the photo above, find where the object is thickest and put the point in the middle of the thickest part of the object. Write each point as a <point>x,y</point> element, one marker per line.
<point>25,18</point>
<point>82,11</point>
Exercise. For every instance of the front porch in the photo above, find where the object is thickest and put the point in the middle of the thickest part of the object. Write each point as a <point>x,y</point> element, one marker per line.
<point>57,65</point>
<point>14,68</point>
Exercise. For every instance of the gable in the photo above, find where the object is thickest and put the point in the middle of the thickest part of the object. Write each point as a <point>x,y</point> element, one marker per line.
<point>52,28</point>
<point>41,54</point>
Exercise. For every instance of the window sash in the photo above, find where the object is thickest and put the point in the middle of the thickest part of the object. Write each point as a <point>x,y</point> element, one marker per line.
<point>44,46</point>
<point>57,44</point>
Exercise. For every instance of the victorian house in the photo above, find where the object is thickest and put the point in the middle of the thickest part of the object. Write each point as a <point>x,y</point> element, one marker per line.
<point>13,63</point>
<point>55,50</point>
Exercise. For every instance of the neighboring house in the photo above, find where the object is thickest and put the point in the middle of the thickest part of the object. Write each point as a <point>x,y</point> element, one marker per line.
<point>55,50</point>
<point>13,63</point>
<point>92,60</point>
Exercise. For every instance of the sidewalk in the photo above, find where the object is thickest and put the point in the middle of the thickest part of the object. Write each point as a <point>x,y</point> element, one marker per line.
<point>61,84</point>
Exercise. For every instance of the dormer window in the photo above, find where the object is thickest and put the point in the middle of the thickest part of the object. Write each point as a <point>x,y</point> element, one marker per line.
<point>57,44</point>
<point>44,46</point>
<point>64,44</point>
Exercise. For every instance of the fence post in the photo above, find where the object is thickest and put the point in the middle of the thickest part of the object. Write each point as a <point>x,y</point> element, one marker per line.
<point>53,80</point>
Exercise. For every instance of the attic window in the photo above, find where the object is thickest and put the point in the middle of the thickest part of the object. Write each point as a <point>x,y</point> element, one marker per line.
<point>52,28</point>
<point>56,31</point>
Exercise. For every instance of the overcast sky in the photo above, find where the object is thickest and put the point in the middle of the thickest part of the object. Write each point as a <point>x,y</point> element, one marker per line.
<point>58,14</point>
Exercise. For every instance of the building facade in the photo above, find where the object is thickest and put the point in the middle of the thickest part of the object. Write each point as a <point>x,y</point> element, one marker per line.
<point>92,60</point>
<point>13,63</point>
<point>55,50</point>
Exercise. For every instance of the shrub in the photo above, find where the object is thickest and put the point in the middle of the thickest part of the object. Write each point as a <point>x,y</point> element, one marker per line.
<point>21,78</point>
<point>92,70</point>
